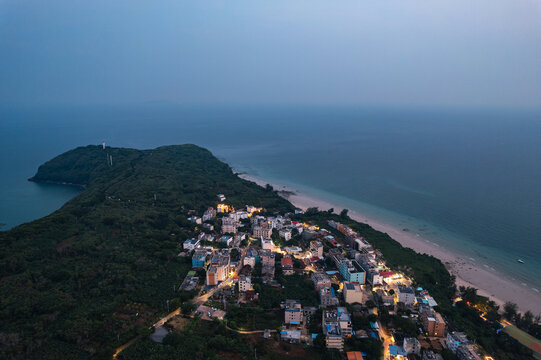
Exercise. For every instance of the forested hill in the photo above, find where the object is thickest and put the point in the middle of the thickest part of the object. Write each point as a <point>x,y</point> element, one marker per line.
<point>72,282</point>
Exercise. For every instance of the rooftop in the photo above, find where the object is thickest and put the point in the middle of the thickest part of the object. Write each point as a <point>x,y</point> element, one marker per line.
<point>352,286</point>
<point>287,261</point>
<point>406,290</point>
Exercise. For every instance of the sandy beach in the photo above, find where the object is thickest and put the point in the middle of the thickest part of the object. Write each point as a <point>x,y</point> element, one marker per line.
<point>487,280</point>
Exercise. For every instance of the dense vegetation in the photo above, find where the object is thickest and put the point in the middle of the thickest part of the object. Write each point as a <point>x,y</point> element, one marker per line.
<point>198,340</point>
<point>202,340</point>
<point>294,287</point>
<point>253,318</point>
<point>82,280</point>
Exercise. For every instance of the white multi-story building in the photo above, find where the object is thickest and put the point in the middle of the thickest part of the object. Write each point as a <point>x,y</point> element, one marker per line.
<point>263,231</point>
<point>412,346</point>
<point>209,214</point>
<point>267,244</point>
<point>229,225</point>
<point>316,249</point>
<point>245,283</point>
<point>285,233</point>
<point>190,244</point>
<point>406,295</point>
<point>374,277</point>
<point>238,215</point>
<point>344,320</point>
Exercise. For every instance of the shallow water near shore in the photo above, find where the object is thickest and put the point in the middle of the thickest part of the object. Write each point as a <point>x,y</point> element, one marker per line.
<point>468,179</point>
<point>469,253</point>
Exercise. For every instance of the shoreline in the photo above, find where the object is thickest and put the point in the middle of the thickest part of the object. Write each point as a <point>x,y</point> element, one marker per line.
<point>63,183</point>
<point>467,273</point>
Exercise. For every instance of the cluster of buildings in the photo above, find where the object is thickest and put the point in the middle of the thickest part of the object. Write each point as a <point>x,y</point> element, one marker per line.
<point>344,269</point>
<point>462,347</point>
<point>336,324</point>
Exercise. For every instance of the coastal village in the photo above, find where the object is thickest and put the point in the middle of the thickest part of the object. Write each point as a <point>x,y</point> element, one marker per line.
<point>348,293</point>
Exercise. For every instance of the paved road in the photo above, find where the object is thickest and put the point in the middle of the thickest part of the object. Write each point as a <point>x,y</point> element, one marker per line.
<point>387,340</point>
<point>197,301</point>
<point>167,318</point>
<point>126,345</point>
<point>249,332</point>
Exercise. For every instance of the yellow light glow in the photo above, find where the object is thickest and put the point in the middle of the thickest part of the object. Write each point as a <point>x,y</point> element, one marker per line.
<point>223,208</point>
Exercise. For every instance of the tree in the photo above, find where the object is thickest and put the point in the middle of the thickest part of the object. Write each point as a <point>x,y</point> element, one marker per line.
<point>509,310</point>
<point>188,307</point>
<point>319,342</point>
<point>527,319</point>
<point>448,355</point>
<point>330,211</point>
<point>468,294</point>
<point>344,213</point>
<point>370,304</point>
<point>332,354</point>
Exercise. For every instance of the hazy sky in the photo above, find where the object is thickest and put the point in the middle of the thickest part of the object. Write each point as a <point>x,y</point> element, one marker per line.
<point>455,52</point>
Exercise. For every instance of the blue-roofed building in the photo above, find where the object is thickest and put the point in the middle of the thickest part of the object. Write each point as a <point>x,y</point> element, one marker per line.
<point>331,329</point>
<point>199,258</point>
<point>290,335</point>
<point>293,312</point>
<point>374,325</point>
<point>253,252</point>
<point>344,319</point>
<point>456,339</point>
<point>396,351</point>
<point>226,239</point>
<point>327,297</point>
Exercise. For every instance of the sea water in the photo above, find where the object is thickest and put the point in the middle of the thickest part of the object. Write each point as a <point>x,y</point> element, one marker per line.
<point>467,178</point>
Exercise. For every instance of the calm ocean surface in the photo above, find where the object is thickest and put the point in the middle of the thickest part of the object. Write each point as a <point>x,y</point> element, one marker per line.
<point>471,179</point>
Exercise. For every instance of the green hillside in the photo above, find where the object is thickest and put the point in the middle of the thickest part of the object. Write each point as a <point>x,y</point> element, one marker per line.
<point>72,282</point>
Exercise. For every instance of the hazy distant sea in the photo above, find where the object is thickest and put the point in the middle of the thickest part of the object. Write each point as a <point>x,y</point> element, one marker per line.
<point>469,178</point>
